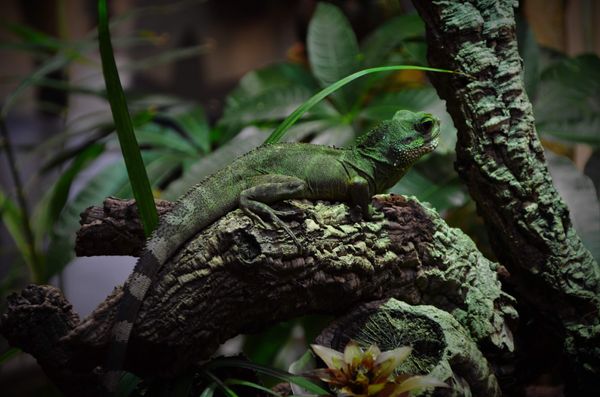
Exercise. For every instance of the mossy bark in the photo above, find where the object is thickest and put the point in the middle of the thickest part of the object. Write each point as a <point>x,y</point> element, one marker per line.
<point>441,347</point>
<point>502,162</point>
<point>235,277</point>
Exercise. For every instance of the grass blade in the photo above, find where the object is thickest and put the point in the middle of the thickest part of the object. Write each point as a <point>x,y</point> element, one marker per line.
<point>241,382</point>
<point>275,373</point>
<point>129,146</point>
<point>295,116</point>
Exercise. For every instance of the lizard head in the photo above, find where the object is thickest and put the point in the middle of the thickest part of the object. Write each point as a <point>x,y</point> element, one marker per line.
<point>401,141</point>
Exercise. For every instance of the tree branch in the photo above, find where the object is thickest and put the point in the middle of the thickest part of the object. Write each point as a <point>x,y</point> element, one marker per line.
<point>503,164</point>
<point>234,278</point>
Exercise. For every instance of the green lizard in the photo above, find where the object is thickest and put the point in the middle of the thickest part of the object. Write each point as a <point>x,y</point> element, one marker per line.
<point>268,174</point>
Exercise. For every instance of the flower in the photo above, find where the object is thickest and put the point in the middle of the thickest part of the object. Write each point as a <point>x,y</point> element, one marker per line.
<point>361,373</point>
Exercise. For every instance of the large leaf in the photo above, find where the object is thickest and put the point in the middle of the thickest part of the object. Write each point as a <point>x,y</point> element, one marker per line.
<point>333,50</point>
<point>568,100</point>
<point>272,76</point>
<point>273,104</point>
<point>62,240</point>
<point>576,130</point>
<point>580,195</point>
<point>49,208</point>
<point>12,218</point>
<point>377,46</point>
<point>124,126</point>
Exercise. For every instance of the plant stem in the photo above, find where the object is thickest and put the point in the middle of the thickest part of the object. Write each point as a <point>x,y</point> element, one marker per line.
<point>35,265</point>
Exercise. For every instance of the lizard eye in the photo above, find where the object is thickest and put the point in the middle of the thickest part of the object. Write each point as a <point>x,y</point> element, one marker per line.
<point>425,126</point>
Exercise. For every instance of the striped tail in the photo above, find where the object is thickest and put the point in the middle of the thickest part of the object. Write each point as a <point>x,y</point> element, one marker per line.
<point>133,295</point>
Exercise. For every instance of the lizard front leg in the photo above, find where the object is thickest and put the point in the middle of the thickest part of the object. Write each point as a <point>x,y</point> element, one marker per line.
<point>360,196</point>
<point>268,189</point>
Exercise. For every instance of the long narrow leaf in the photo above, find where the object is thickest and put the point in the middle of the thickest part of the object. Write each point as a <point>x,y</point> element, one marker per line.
<point>295,116</point>
<point>226,390</point>
<point>286,376</point>
<point>241,382</point>
<point>8,354</point>
<point>131,151</point>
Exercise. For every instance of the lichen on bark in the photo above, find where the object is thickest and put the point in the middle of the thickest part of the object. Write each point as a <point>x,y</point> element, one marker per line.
<point>502,162</point>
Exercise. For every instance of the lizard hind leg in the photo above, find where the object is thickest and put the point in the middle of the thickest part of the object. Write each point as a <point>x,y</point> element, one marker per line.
<point>267,189</point>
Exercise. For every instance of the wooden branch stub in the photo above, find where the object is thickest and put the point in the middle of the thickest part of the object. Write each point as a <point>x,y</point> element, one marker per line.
<point>113,229</point>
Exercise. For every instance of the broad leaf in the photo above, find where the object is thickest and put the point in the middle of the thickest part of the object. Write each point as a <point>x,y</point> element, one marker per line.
<point>62,239</point>
<point>377,46</point>
<point>333,50</point>
<point>568,101</point>
<point>49,208</point>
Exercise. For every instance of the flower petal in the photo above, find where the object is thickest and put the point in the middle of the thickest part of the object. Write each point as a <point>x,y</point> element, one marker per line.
<point>388,361</point>
<point>417,382</point>
<point>353,353</point>
<point>332,358</point>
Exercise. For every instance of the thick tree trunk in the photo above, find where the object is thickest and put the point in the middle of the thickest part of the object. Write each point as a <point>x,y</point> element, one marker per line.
<point>502,162</point>
<point>235,277</point>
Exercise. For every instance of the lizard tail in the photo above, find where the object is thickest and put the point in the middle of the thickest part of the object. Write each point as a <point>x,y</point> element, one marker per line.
<point>133,294</point>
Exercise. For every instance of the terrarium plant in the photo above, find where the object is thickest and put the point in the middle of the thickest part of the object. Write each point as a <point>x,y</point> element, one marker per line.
<point>371,372</point>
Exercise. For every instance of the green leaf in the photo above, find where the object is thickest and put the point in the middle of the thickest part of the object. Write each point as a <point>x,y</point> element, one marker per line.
<point>378,45</point>
<point>295,116</point>
<point>8,354</point>
<point>193,122</point>
<point>131,152</point>
<point>332,50</point>
<point>12,218</point>
<point>162,138</point>
<point>276,75</point>
<point>222,386</point>
<point>166,57</point>
<point>578,192</point>
<point>568,101</point>
<point>209,391</point>
<point>299,380</point>
<point>40,40</point>
<point>127,385</point>
<point>241,382</point>
<point>383,107</point>
<point>585,130</point>
<point>62,240</point>
<point>272,105</point>
<point>49,208</point>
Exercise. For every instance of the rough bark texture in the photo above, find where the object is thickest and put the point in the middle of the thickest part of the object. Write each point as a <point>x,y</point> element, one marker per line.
<point>502,162</point>
<point>115,227</point>
<point>234,277</point>
<point>441,347</point>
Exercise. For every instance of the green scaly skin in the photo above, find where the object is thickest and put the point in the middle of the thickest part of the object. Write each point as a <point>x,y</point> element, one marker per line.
<point>268,174</point>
